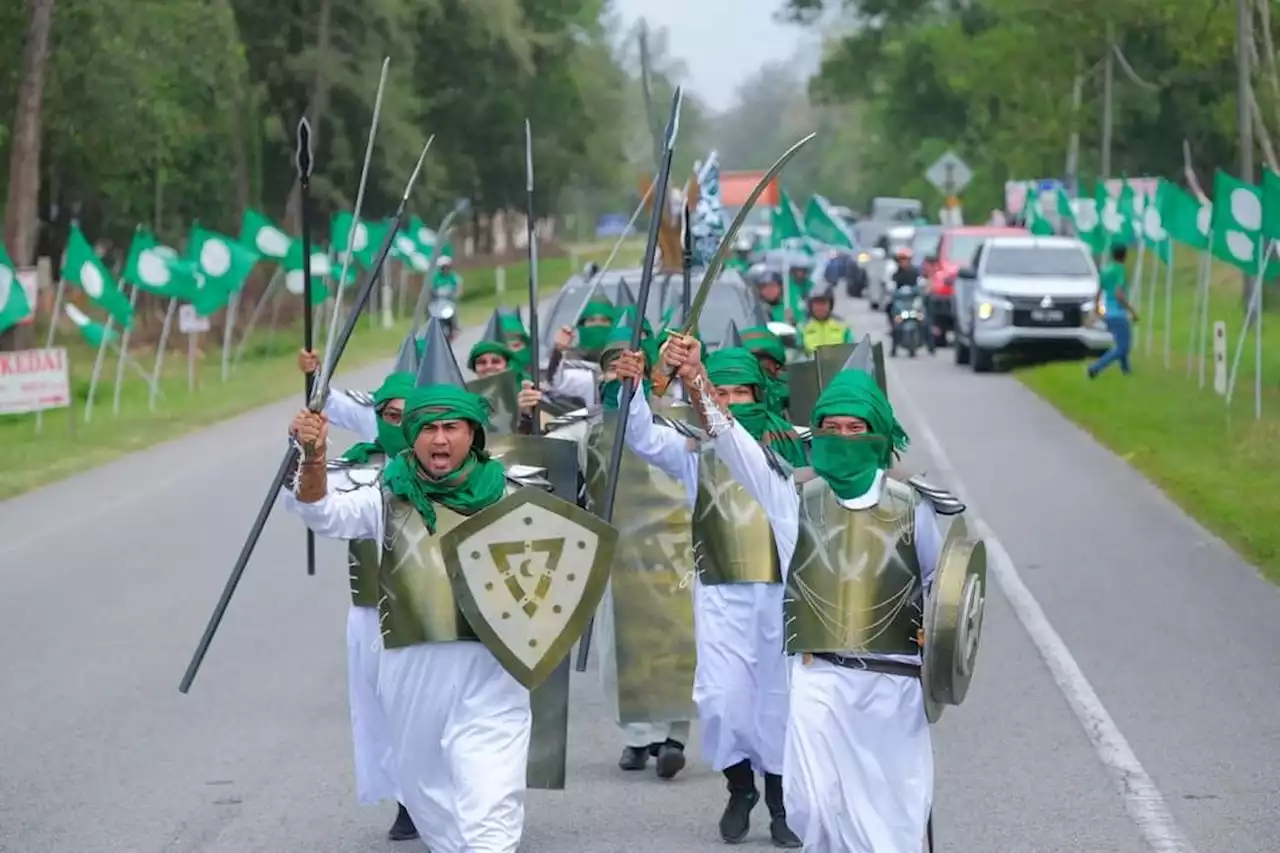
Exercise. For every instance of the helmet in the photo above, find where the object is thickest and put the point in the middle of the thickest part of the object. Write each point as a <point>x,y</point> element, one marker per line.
<point>743,244</point>
<point>445,262</point>
<point>903,253</point>
<point>823,294</point>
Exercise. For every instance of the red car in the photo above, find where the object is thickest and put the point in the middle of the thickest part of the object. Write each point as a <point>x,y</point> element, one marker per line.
<point>955,250</point>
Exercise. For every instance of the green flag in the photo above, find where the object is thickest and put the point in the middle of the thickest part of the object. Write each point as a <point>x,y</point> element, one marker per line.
<point>1033,215</point>
<point>824,226</point>
<point>158,269</point>
<point>258,233</point>
<point>787,227</point>
<point>1112,223</point>
<point>1186,220</point>
<point>224,263</point>
<point>82,267</point>
<point>321,268</point>
<point>14,306</point>
<point>93,332</point>
<point>1270,204</point>
<point>366,239</point>
<point>1237,222</point>
<point>1154,233</point>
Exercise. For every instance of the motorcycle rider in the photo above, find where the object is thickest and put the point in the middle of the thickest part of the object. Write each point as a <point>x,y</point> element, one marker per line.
<point>907,273</point>
<point>741,258</point>
<point>771,291</point>
<point>903,297</point>
<point>447,284</point>
<point>822,329</point>
<point>800,268</point>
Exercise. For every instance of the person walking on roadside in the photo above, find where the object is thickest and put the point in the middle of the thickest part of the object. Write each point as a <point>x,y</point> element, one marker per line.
<point>1117,312</point>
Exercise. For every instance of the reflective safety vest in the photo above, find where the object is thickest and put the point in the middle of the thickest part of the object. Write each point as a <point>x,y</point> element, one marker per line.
<point>820,333</point>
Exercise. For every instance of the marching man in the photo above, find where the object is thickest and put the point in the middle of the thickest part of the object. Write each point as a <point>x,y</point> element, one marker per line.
<point>740,684</point>
<point>861,550</point>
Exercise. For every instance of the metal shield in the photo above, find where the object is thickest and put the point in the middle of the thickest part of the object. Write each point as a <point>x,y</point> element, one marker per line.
<point>500,390</point>
<point>807,378</point>
<point>528,573</point>
<point>554,460</point>
<point>953,619</point>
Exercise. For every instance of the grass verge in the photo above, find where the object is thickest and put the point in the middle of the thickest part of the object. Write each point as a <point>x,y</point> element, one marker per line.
<point>1218,462</point>
<point>266,373</point>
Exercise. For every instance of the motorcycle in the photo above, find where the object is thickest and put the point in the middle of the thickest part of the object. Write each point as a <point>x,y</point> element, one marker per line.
<point>444,307</point>
<point>909,321</point>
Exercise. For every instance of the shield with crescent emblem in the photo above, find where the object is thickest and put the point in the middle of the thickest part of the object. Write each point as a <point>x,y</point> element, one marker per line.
<point>953,619</point>
<point>501,390</point>
<point>528,573</point>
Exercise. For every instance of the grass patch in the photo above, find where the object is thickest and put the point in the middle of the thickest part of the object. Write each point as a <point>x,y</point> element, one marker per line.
<point>1218,463</point>
<point>267,372</point>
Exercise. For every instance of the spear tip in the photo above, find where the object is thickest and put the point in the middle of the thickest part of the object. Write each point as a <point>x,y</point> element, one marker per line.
<point>413,178</point>
<point>304,157</point>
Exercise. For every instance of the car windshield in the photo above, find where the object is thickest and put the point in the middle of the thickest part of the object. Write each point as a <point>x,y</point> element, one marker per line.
<point>962,247</point>
<point>925,244</point>
<point>1037,260</point>
<point>568,303</point>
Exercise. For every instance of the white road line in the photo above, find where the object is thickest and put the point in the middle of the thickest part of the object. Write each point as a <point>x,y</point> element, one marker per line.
<point>1143,801</point>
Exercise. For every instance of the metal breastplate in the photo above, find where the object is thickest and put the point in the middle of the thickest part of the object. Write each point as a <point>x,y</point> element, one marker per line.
<point>418,604</point>
<point>732,537</point>
<point>854,584</point>
<point>363,555</point>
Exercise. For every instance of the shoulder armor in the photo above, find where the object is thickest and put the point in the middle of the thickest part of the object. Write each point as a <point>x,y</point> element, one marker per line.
<point>687,430</point>
<point>570,418</point>
<point>805,433</point>
<point>944,502</point>
<point>363,398</point>
<point>777,464</point>
<point>528,475</point>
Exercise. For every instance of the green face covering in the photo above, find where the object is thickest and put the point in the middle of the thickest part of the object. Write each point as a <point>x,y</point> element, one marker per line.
<point>591,339</point>
<point>479,482</point>
<point>849,464</point>
<point>737,366</point>
<point>390,441</point>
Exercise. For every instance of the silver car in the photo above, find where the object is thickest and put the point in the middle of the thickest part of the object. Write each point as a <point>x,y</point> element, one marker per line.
<point>1027,294</point>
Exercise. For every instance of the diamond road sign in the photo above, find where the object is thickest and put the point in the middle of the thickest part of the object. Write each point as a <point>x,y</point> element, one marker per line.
<point>949,174</point>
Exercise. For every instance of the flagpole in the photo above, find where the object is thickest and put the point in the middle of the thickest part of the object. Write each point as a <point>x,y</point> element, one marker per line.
<point>1257,342</point>
<point>233,303</point>
<point>124,349</point>
<point>97,367</point>
<point>1154,285</point>
<point>253,318</point>
<point>160,348</point>
<point>52,331</point>
<point>1249,318</point>
<point>1168,308</point>
<point>1206,269</point>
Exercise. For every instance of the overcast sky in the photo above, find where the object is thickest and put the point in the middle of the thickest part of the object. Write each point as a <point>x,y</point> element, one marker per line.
<point>721,41</point>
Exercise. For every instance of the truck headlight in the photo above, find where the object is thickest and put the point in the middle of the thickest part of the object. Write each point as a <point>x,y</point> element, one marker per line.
<point>992,308</point>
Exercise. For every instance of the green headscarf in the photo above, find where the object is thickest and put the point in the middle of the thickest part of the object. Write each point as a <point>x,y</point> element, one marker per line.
<point>390,440</point>
<point>849,464</point>
<point>591,339</point>
<point>619,341</point>
<point>489,348</point>
<point>761,341</point>
<point>738,366</point>
<point>476,484</point>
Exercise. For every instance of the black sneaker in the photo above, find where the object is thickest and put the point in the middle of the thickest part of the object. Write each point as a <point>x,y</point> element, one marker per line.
<point>735,823</point>
<point>782,835</point>
<point>634,758</point>
<point>403,829</point>
<point>670,759</point>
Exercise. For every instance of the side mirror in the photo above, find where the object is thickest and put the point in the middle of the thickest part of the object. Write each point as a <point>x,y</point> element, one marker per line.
<point>967,273</point>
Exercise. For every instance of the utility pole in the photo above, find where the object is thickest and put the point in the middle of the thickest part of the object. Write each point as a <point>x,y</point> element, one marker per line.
<point>1073,145</point>
<point>1108,81</point>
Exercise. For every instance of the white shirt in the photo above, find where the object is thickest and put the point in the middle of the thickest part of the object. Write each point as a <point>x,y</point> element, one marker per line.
<point>345,413</point>
<point>662,447</point>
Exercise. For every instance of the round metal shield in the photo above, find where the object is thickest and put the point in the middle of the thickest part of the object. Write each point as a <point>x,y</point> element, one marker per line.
<point>953,620</point>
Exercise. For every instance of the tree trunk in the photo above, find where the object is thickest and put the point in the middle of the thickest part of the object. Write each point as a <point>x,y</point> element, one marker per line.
<point>319,106</point>
<point>22,216</point>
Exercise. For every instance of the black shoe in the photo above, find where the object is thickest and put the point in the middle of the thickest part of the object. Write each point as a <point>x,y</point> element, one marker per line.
<point>403,829</point>
<point>670,759</point>
<point>735,823</point>
<point>634,758</point>
<point>778,830</point>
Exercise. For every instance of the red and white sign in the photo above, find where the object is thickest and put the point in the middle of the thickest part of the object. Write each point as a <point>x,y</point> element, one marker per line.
<point>32,380</point>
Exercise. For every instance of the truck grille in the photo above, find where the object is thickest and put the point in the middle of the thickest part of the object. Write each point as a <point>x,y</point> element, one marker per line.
<point>1028,312</point>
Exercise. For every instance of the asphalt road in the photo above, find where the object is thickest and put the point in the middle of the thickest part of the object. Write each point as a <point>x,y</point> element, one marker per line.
<point>1125,698</point>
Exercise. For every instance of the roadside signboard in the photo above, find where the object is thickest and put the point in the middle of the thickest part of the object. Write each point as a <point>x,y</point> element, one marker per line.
<point>949,174</point>
<point>190,322</point>
<point>32,380</point>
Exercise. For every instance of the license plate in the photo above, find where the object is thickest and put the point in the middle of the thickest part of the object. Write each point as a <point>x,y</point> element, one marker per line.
<point>1046,315</point>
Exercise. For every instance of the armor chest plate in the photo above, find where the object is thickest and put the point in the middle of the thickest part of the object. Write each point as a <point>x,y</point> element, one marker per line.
<point>732,537</point>
<point>363,555</point>
<point>418,605</point>
<point>854,583</point>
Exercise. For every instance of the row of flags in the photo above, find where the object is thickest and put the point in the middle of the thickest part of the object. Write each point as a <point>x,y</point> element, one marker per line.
<point>1235,227</point>
<point>816,227</point>
<point>214,267</point>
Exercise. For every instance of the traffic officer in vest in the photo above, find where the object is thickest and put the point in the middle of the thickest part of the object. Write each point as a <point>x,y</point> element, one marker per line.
<point>822,329</point>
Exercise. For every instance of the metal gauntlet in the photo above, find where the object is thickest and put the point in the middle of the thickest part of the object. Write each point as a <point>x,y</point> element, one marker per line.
<point>714,419</point>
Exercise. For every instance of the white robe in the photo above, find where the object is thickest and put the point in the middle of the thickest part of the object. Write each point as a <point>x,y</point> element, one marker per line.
<point>370,733</point>
<point>740,684</point>
<point>459,723</point>
<point>859,761</point>
<point>575,382</point>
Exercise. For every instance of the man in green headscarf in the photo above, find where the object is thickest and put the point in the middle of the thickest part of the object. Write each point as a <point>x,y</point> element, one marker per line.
<point>491,357</point>
<point>573,370</point>
<point>381,440</point>
<point>740,684</point>
<point>772,355</point>
<point>852,608</point>
<point>459,722</point>
<point>516,339</point>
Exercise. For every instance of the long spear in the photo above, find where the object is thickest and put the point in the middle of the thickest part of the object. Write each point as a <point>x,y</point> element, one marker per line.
<point>304,162</point>
<point>686,266</point>
<point>290,456</point>
<point>642,303</point>
<point>531,232</point>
